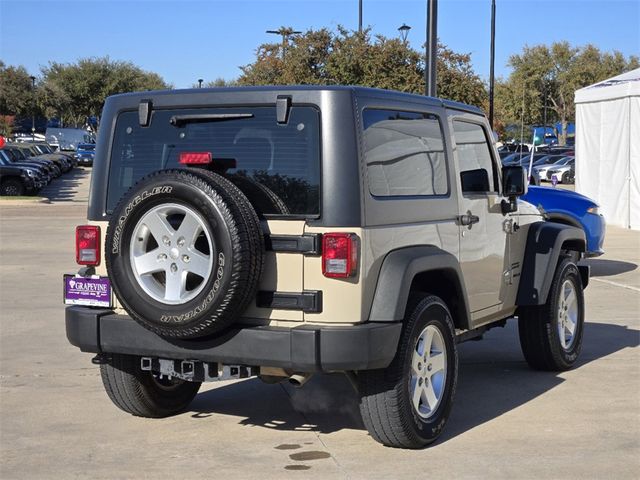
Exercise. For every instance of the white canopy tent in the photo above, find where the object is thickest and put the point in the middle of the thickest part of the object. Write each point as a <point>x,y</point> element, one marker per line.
<point>608,147</point>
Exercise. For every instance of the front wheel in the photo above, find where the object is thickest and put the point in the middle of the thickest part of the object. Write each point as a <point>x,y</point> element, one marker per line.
<point>551,334</point>
<point>143,393</point>
<point>12,187</point>
<point>407,404</point>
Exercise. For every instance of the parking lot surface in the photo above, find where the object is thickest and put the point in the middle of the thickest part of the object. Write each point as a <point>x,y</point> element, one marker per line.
<point>507,421</point>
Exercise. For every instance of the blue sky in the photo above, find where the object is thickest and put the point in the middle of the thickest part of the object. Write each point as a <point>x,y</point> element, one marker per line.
<point>183,40</point>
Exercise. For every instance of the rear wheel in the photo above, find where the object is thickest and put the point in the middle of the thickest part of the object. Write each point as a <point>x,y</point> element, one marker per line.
<point>407,404</point>
<point>142,393</point>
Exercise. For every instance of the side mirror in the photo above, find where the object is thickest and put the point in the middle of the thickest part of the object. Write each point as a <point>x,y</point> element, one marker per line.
<point>514,184</point>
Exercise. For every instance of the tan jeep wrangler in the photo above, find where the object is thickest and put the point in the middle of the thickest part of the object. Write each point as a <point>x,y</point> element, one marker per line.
<point>286,231</point>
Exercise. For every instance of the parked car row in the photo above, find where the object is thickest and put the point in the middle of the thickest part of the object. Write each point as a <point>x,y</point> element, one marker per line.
<point>546,165</point>
<point>25,168</point>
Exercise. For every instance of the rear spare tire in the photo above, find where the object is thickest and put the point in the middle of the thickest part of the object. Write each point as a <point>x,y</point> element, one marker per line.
<point>184,252</point>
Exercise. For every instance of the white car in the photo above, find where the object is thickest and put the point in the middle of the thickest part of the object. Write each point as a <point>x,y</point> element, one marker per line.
<point>560,172</point>
<point>543,170</point>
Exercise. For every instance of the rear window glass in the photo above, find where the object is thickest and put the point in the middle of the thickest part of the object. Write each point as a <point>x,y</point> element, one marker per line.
<point>276,165</point>
<point>404,153</point>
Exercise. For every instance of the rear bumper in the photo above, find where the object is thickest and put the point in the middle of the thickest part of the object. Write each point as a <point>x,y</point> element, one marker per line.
<point>307,348</point>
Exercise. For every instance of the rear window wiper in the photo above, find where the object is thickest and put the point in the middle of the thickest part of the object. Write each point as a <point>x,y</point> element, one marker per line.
<point>178,120</point>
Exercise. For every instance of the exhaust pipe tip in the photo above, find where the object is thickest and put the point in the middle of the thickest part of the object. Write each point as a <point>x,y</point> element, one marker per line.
<point>299,379</point>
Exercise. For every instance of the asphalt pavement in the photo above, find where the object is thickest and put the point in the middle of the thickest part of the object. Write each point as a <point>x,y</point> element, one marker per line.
<point>507,421</point>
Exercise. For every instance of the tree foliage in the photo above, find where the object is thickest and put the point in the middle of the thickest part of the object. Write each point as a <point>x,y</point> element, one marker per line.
<point>557,70</point>
<point>16,91</point>
<point>353,58</point>
<point>217,83</point>
<point>76,91</point>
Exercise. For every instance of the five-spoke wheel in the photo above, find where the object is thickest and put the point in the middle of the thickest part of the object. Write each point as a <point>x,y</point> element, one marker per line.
<point>428,371</point>
<point>567,314</point>
<point>172,253</point>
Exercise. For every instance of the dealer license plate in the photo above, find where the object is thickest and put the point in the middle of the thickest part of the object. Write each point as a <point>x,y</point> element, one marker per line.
<point>92,291</point>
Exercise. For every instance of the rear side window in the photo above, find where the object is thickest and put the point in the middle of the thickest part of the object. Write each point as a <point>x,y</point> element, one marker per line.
<point>263,158</point>
<point>404,154</point>
<point>477,172</point>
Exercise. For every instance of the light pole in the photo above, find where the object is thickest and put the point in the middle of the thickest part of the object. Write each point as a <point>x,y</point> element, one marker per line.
<point>359,16</point>
<point>492,62</point>
<point>404,32</point>
<point>432,48</point>
<point>33,107</point>
<point>286,32</point>
<point>200,80</point>
<point>544,111</point>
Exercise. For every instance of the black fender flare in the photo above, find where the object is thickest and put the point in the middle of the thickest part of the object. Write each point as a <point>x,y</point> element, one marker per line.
<point>563,219</point>
<point>545,240</point>
<point>400,267</point>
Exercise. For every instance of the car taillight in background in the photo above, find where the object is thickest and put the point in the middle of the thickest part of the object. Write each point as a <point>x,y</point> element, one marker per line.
<point>88,245</point>
<point>339,255</point>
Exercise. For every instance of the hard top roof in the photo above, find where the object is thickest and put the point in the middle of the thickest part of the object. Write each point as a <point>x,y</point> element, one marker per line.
<point>355,90</point>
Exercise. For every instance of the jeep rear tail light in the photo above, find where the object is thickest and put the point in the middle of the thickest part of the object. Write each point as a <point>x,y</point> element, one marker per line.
<point>88,245</point>
<point>339,255</point>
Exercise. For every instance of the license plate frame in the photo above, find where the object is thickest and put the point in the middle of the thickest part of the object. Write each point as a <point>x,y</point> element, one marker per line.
<point>93,291</point>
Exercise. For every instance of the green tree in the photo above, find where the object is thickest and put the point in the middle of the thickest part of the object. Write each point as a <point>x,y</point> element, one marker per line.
<point>76,91</point>
<point>6,125</point>
<point>218,82</point>
<point>557,70</point>
<point>16,91</point>
<point>358,58</point>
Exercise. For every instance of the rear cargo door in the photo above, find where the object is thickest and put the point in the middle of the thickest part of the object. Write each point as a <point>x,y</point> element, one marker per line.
<point>272,155</point>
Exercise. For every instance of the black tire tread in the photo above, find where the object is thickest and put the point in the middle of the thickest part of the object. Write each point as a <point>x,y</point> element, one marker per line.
<point>382,398</point>
<point>131,392</point>
<point>535,324</point>
<point>258,194</point>
<point>249,235</point>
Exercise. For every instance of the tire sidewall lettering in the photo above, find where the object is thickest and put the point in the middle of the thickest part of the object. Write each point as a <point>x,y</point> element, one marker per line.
<point>116,247</point>
<point>211,296</point>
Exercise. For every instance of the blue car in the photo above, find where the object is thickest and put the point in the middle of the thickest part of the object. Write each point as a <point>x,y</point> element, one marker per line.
<point>571,208</point>
<point>85,153</point>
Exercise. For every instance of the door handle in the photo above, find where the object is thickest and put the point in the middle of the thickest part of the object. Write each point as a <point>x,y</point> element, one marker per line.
<point>468,219</point>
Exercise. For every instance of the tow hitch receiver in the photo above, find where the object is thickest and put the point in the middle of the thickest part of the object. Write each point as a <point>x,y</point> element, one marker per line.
<point>195,370</point>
